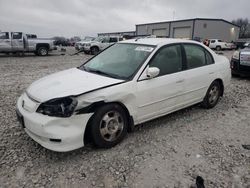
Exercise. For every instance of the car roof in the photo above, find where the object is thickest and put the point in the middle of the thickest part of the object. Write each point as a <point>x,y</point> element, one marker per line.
<point>158,41</point>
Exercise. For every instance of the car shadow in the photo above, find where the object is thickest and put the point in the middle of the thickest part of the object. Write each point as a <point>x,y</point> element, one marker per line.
<point>241,77</point>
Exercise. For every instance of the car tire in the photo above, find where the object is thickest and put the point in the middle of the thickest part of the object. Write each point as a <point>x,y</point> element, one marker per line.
<point>213,95</point>
<point>234,75</point>
<point>218,48</point>
<point>109,125</point>
<point>42,51</point>
<point>94,50</point>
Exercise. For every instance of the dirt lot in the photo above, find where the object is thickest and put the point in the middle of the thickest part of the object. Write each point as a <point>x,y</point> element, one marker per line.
<point>167,152</point>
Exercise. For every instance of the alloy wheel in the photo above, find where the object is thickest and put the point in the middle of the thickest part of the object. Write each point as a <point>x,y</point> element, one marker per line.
<point>111,126</point>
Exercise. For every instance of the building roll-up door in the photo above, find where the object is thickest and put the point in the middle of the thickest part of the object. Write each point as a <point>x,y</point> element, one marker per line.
<point>182,32</point>
<point>160,32</point>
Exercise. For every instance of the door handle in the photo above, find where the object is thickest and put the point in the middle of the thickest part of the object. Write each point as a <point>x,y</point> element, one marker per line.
<point>7,41</point>
<point>211,73</point>
<point>180,81</point>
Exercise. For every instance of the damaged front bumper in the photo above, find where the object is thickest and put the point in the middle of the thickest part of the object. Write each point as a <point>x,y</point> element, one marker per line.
<point>54,133</point>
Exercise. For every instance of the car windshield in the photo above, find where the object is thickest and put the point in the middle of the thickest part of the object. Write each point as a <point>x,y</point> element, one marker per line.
<point>98,39</point>
<point>119,61</point>
<point>88,39</point>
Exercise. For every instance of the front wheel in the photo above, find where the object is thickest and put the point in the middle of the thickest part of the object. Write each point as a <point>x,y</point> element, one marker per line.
<point>213,95</point>
<point>94,50</point>
<point>109,126</point>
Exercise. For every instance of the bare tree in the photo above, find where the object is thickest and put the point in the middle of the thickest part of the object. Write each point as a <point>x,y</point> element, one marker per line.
<point>244,26</point>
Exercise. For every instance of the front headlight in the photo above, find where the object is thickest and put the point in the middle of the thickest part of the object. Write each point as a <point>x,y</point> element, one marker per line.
<point>61,107</point>
<point>236,55</point>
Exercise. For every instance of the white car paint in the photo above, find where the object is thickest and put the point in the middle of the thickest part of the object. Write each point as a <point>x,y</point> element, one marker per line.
<point>77,82</point>
<point>101,43</point>
<point>213,43</point>
<point>145,99</point>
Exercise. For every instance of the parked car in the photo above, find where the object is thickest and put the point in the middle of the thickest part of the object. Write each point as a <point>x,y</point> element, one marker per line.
<point>240,44</point>
<point>220,45</point>
<point>131,82</point>
<point>240,62</point>
<point>79,45</point>
<point>247,44</point>
<point>12,42</point>
<point>99,44</point>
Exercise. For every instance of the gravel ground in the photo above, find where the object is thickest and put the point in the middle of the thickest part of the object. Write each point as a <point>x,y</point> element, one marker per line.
<point>167,152</point>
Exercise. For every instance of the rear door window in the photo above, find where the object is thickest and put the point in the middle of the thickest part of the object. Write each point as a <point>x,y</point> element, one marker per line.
<point>4,35</point>
<point>17,35</point>
<point>209,58</point>
<point>195,56</point>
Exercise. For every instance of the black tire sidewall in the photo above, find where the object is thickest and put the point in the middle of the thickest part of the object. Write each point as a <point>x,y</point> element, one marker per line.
<point>218,48</point>
<point>94,50</point>
<point>95,125</point>
<point>205,102</point>
<point>41,48</point>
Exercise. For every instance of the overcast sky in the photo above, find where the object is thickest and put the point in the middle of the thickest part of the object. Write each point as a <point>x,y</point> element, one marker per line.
<point>88,17</point>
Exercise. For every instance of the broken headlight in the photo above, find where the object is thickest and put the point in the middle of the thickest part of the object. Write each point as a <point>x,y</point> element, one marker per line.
<point>61,107</point>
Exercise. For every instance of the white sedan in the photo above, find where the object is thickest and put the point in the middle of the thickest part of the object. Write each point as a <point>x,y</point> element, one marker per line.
<point>129,83</point>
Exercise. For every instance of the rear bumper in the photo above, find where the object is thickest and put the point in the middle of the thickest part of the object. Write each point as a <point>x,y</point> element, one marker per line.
<point>238,69</point>
<point>57,134</point>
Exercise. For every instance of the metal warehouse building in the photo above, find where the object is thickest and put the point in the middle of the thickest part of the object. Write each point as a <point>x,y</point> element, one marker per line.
<point>198,28</point>
<point>125,33</point>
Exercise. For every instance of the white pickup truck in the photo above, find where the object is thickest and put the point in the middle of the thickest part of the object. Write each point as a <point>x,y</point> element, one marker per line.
<point>13,42</point>
<point>220,45</point>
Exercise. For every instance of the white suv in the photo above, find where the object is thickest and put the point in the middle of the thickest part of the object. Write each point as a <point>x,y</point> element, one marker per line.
<point>220,45</point>
<point>99,44</point>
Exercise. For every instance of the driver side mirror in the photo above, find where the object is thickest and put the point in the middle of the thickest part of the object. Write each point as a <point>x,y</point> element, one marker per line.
<point>152,72</point>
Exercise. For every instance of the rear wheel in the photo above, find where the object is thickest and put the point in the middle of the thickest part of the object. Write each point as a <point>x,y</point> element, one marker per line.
<point>109,126</point>
<point>42,51</point>
<point>218,48</point>
<point>213,95</point>
<point>94,50</point>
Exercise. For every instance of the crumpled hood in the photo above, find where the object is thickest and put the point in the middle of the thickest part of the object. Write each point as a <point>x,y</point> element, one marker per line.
<point>65,83</point>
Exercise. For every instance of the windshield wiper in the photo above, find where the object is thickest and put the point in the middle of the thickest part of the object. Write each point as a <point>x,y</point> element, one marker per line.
<point>101,72</point>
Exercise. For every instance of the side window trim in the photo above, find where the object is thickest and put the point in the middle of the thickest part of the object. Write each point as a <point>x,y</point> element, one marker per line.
<point>167,45</point>
<point>158,51</point>
<point>205,52</point>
